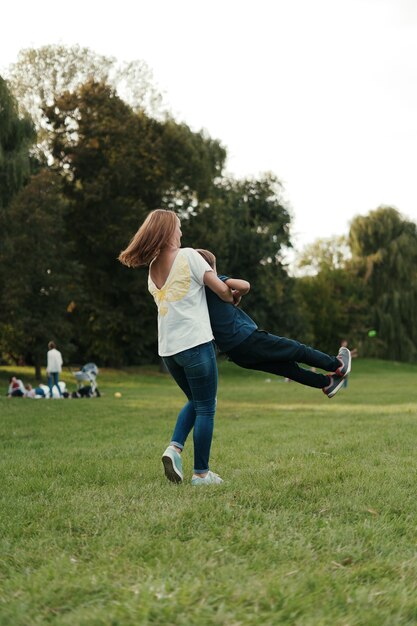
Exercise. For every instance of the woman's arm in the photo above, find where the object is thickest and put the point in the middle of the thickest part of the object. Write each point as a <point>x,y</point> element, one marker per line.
<point>218,286</point>
<point>240,285</point>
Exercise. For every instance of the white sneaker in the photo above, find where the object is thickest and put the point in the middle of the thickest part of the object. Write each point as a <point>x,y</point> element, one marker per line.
<point>345,359</point>
<point>210,479</point>
<point>172,465</point>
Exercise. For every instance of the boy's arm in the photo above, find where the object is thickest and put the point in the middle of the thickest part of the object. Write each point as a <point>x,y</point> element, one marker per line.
<point>218,286</point>
<point>238,284</point>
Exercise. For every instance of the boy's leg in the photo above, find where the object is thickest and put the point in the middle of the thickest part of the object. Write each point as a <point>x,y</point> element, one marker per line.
<point>262,347</point>
<point>292,371</point>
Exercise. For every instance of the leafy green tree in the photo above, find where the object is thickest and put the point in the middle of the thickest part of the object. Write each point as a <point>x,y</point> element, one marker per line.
<point>117,165</point>
<point>332,297</point>
<point>384,249</point>
<point>325,254</point>
<point>40,75</point>
<point>192,161</point>
<point>41,275</point>
<point>16,136</point>
<point>245,223</point>
<point>334,305</point>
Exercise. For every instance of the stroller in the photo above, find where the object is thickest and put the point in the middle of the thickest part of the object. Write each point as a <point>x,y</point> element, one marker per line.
<point>86,382</point>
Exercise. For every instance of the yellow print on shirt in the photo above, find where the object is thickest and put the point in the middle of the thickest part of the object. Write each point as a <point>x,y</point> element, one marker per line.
<point>175,288</point>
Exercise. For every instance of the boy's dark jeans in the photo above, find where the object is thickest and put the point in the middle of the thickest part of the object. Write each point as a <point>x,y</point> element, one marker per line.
<point>279,355</point>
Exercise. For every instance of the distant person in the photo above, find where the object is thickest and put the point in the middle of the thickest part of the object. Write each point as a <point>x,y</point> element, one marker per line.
<point>353,351</point>
<point>53,368</point>
<point>238,336</point>
<point>29,391</point>
<point>16,388</point>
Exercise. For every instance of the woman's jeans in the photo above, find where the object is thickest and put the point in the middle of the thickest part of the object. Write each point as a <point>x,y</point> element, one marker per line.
<point>195,372</point>
<point>53,380</point>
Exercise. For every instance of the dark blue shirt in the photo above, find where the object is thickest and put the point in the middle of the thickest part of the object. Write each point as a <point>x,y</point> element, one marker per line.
<point>230,324</point>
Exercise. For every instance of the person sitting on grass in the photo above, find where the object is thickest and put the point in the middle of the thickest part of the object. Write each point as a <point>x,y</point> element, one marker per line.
<point>238,336</point>
<point>16,388</point>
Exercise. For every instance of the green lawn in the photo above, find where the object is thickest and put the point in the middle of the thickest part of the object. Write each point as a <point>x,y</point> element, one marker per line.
<point>316,523</point>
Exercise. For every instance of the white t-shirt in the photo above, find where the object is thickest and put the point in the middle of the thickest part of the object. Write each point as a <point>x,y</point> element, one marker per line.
<point>183,318</point>
<point>54,361</point>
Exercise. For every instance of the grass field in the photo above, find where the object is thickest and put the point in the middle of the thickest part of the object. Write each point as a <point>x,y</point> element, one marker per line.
<point>316,523</point>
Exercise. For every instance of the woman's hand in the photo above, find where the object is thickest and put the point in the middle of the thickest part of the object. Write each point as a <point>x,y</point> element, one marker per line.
<point>237,297</point>
<point>218,286</point>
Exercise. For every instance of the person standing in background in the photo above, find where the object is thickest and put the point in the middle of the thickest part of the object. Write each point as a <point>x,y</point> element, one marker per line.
<point>53,368</point>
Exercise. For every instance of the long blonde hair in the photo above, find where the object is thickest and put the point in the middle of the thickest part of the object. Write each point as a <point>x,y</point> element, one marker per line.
<point>154,234</point>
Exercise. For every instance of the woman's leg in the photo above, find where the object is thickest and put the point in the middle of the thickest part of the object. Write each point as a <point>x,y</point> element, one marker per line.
<point>187,415</point>
<point>200,371</point>
<point>204,389</point>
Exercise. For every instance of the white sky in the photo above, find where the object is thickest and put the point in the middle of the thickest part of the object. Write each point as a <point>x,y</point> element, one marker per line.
<point>322,93</point>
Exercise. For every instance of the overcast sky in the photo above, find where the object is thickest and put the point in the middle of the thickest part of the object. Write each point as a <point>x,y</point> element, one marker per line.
<point>323,94</point>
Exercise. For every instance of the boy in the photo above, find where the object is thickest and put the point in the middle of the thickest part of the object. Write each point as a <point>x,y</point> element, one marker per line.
<point>238,336</point>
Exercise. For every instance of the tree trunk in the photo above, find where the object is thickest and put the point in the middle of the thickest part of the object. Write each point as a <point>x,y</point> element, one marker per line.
<point>38,374</point>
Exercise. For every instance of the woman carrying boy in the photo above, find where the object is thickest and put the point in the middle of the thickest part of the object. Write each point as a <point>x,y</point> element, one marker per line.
<point>176,280</point>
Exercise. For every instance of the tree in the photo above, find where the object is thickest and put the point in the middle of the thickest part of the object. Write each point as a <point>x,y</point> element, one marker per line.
<point>245,223</point>
<point>41,275</point>
<point>384,250</point>
<point>117,165</point>
<point>324,255</point>
<point>40,75</point>
<point>332,297</point>
<point>334,305</point>
<point>192,161</point>
<point>16,136</point>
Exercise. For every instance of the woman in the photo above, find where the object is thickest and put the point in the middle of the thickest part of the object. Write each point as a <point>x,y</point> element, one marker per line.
<point>53,368</point>
<point>177,279</point>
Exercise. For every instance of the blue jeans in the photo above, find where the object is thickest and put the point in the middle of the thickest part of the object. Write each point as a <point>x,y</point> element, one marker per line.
<point>279,355</point>
<point>195,372</point>
<point>53,378</point>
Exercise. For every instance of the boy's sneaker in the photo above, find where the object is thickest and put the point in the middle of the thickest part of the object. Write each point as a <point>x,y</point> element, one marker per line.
<point>345,360</point>
<point>210,479</point>
<point>173,465</point>
<point>336,383</point>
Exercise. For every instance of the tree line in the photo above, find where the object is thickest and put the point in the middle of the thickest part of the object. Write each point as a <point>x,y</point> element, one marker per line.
<point>87,150</point>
